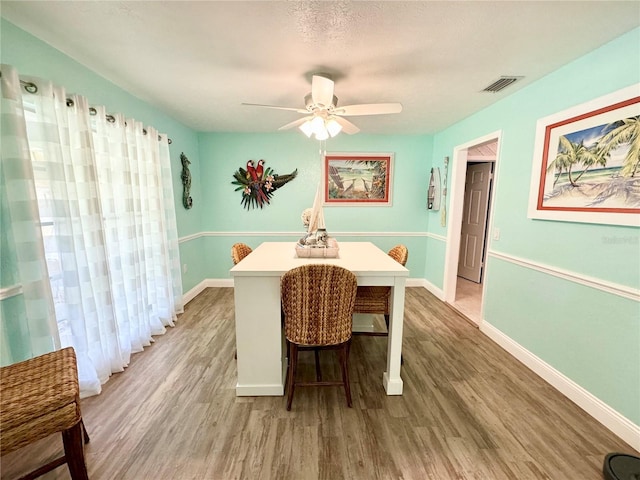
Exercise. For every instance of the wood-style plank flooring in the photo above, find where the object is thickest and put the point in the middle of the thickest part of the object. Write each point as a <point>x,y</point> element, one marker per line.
<point>469,411</point>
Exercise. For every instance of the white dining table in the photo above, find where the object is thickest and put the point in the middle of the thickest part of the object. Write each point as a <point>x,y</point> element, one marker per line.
<point>261,351</point>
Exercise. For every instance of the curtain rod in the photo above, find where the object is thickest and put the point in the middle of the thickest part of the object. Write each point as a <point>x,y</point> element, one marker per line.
<point>33,88</point>
<point>111,119</point>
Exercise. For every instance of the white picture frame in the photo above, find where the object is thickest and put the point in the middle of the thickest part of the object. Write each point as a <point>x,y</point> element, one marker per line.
<point>584,169</point>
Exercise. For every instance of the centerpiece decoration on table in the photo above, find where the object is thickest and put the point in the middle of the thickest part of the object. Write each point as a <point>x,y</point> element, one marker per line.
<point>316,242</point>
<point>259,183</point>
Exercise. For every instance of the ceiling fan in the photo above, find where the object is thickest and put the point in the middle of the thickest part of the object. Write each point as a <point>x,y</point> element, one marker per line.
<point>323,115</point>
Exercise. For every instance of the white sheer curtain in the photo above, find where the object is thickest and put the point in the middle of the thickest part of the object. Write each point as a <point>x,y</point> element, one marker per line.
<point>139,224</point>
<point>106,207</point>
<point>27,319</point>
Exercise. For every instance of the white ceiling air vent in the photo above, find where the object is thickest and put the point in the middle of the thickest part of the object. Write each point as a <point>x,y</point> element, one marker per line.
<point>500,84</point>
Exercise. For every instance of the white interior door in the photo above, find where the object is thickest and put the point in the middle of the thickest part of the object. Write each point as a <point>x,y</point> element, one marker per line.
<point>474,221</point>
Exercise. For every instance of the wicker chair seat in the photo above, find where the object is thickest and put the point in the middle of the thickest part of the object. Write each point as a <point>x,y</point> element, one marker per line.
<point>38,428</point>
<point>40,397</point>
<point>372,300</point>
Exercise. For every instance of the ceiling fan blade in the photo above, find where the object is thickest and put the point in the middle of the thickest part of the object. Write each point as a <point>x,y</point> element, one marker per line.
<point>295,123</point>
<point>347,127</point>
<point>369,109</point>
<point>292,109</point>
<point>322,90</point>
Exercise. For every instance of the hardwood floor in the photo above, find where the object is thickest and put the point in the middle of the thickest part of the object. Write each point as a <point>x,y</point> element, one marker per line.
<point>469,411</point>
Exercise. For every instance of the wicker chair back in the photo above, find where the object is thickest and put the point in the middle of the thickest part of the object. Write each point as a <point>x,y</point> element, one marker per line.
<point>317,302</point>
<point>239,251</point>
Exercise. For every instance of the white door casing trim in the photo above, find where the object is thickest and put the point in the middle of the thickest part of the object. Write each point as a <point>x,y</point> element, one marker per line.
<point>458,177</point>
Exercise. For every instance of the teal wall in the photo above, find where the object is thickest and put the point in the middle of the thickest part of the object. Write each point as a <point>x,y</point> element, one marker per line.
<point>221,154</point>
<point>591,336</point>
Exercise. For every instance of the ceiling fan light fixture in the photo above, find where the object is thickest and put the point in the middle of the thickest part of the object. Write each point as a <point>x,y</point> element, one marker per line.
<point>333,127</point>
<point>307,128</point>
<point>317,123</point>
<point>317,127</point>
<point>322,133</point>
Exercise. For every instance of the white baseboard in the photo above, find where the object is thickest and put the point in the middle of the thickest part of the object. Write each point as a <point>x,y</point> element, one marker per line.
<point>438,292</point>
<point>206,283</point>
<point>194,292</point>
<point>414,282</point>
<point>607,416</point>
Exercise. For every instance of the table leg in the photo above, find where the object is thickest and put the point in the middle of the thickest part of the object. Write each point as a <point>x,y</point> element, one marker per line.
<point>391,378</point>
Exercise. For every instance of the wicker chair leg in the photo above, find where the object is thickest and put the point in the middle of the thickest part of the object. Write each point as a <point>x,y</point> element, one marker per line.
<point>293,363</point>
<point>316,354</point>
<point>74,452</point>
<point>343,354</point>
<point>84,433</point>
<point>44,469</point>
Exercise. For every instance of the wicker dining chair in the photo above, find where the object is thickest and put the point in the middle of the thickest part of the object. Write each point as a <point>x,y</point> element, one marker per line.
<point>239,251</point>
<point>317,303</point>
<point>40,397</point>
<point>377,300</point>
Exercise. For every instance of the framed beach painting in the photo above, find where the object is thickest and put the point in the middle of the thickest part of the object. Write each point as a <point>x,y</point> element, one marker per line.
<point>586,163</point>
<point>357,179</point>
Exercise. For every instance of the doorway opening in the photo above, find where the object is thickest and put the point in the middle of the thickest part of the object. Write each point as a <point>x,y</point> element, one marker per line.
<point>472,184</point>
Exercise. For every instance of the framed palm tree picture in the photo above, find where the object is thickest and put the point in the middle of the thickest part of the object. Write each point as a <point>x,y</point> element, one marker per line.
<point>586,164</point>
<point>357,179</point>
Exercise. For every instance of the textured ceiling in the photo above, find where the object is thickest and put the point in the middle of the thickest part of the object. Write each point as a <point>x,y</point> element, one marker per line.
<point>198,61</point>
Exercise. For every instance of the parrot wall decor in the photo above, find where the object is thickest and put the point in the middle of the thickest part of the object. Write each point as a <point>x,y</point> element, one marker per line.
<point>258,183</point>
